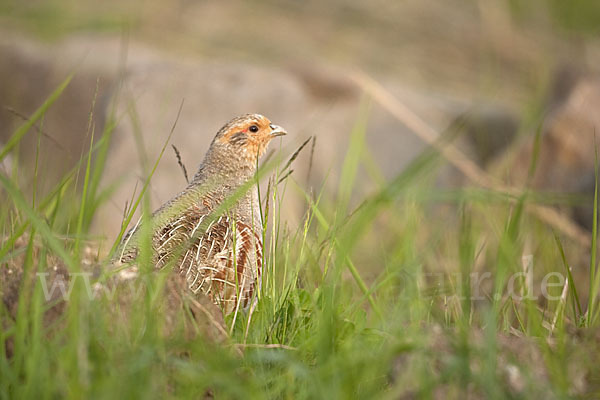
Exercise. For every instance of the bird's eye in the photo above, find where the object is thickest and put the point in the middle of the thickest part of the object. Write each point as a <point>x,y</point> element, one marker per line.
<point>253,128</point>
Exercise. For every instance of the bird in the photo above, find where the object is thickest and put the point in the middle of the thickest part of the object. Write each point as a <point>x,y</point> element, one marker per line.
<point>211,232</point>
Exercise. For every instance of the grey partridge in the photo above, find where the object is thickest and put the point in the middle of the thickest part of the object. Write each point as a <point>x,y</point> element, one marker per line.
<point>219,249</point>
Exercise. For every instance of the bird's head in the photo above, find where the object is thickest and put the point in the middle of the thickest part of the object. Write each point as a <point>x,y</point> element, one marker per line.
<point>244,139</point>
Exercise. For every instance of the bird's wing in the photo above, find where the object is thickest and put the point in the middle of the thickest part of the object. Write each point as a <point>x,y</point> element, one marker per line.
<point>193,200</point>
<point>221,258</point>
<point>219,255</point>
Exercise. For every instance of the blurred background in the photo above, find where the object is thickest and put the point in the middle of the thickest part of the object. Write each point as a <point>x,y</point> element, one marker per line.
<point>449,140</point>
<point>490,74</point>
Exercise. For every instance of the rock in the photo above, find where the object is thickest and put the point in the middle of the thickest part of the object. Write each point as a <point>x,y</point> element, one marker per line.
<point>145,89</point>
<point>31,73</point>
<point>489,131</point>
<point>569,137</point>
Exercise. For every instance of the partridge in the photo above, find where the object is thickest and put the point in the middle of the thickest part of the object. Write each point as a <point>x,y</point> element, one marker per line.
<point>217,248</point>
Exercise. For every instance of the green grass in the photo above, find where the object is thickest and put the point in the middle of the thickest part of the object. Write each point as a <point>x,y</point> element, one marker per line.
<point>412,291</point>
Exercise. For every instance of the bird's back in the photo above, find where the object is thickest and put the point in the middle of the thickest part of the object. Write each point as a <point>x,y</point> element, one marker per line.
<point>220,255</point>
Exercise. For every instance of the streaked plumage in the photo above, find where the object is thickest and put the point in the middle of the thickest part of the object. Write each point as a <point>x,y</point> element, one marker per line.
<point>220,254</point>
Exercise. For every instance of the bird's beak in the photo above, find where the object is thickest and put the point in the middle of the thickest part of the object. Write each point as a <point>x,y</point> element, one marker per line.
<point>277,131</point>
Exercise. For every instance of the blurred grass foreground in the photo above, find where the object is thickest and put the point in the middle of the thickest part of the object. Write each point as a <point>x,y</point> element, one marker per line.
<point>436,236</point>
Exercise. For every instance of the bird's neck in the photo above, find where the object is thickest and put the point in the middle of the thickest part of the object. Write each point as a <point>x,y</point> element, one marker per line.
<point>220,179</point>
<point>222,170</point>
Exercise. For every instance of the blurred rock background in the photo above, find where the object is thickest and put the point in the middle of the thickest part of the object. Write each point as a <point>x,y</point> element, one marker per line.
<point>493,71</point>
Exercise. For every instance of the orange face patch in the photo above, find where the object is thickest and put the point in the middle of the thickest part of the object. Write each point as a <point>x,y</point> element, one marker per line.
<point>253,132</point>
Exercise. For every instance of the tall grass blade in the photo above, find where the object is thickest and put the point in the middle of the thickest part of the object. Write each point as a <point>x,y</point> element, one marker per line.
<point>19,133</point>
